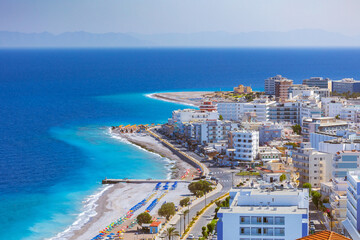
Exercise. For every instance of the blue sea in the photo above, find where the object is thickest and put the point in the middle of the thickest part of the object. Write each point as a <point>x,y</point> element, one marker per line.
<point>57,105</point>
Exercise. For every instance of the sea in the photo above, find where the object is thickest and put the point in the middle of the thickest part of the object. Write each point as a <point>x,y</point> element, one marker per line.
<point>56,107</point>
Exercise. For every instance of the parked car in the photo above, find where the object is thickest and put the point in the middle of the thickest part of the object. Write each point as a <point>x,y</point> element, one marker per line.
<point>191,236</point>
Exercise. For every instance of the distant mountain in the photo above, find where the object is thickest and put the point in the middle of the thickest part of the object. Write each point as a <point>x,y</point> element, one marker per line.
<point>296,38</point>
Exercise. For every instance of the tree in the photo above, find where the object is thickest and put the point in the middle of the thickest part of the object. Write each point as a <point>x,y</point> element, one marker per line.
<point>316,196</point>
<point>307,185</point>
<point>167,210</point>
<point>297,129</point>
<point>221,117</point>
<point>337,116</point>
<point>171,232</point>
<point>144,217</point>
<point>282,177</point>
<point>204,232</point>
<point>184,202</point>
<point>210,227</point>
<point>201,185</point>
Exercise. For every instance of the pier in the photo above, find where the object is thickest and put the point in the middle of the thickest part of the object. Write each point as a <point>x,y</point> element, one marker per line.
<point>114,181</point>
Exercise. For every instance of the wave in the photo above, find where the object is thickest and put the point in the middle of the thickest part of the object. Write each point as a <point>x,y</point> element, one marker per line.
<point>89,211</point>
<point>170,163</point>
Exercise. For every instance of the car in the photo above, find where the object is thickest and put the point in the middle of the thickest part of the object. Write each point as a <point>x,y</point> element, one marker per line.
<point>232,167</point>
<point>213,178</point>
<point>312,222</point>
<point>210,173</point>
<point>191,236</point>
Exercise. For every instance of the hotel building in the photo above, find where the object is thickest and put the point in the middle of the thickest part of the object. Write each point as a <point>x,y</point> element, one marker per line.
<point>352,224</point>
<point>265,214</point>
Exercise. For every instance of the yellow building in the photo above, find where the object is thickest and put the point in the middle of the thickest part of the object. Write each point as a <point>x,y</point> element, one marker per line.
<point>242,89</point>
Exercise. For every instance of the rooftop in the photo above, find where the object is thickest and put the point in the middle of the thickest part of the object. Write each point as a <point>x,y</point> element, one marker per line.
<point>325,235</point>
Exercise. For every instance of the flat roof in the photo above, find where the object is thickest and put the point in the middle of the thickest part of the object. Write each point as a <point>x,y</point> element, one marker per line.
<point>264,210</point>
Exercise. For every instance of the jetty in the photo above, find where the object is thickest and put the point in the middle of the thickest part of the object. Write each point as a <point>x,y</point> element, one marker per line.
<point>125,180</point>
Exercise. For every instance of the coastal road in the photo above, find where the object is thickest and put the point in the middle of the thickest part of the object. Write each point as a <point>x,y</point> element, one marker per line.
<point>225,177</point>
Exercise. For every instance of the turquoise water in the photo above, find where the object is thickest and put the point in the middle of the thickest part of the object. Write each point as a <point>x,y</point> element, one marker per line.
<point>56,106</point>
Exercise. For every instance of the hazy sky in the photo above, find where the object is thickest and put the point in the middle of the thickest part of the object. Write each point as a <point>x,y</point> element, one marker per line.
<point>181,16</point>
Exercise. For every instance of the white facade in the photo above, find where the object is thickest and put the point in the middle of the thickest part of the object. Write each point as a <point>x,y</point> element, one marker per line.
<point>350,113</point>
<point>344,162</point>
<point>314,167</point>
<point>245,143</point>
<point>235,111</point>
<point>190,115</point>
<point>268,154</point>
<point>231,110</point>
<point>265,214</point>
<point>352,224</point>
<point>331,106</point>
<point>212,131</point>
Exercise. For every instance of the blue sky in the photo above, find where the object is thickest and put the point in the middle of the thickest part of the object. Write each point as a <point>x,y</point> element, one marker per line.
<point>181,16</point>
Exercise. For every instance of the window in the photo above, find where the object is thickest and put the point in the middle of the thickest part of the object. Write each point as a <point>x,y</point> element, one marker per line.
<point>244,231</point>
<point>279,231</point>
<point>256,231</point>
<point>268,232</point>
<point>279,220</point>
<point>256,220</point>
<point>244,220</point>
<point>268,220</point>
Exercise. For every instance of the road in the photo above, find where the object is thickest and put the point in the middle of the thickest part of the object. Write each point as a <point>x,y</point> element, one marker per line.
<point>225,178</point>
<point>317,217</point>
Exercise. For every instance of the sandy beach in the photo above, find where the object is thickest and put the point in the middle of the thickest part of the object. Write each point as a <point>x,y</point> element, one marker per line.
<point>186,98</point>
<point>119,198</point>
<point>117,201</point>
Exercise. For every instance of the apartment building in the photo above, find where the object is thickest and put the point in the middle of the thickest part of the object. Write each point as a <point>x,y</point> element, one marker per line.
<point>338,201</point>
<point>344,162</point>
<point>282,89</point>
<point>306,91</point>
<point>327,125</point>
<point>351,223</point>
<point>209,131</point>
<point>246,145</point>
<point>285,112</point>
<point>346,85</point>
<point>320,82</point>
<point>270,84</point>
<point>313,166</point>
<point>269,132</point>
<point>265,214</point>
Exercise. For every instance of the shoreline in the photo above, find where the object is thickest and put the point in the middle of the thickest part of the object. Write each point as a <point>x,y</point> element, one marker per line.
<point>184,98</point>
<point>104,204</point>
<point>148,143</point>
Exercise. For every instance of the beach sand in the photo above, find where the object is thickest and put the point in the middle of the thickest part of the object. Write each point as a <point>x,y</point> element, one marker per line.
<point>187,98</point>
<point>119,199</point>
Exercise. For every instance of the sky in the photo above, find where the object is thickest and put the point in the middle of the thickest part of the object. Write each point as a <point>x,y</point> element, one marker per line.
<point>179,16</point>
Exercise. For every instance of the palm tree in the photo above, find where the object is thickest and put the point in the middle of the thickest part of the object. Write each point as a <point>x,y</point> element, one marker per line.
<point>185,213</point>
<point>171,232</point>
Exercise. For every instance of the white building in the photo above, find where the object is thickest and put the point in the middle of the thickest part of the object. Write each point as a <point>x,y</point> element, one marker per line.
<point>331,106</point>
<point>306,91</point>
<point>285,112</point>
<point>235,111</point>
<point>209,131</point>
<point>179,117</point>
<point>314,167</point>
<point>232,111</point>
<point>350,113</point>
<point>245,143</point>
<point>338,202</point>
<point>352,224</point>
<point>268,154</point>
<point>344,162</point>
<point>265,214</point>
